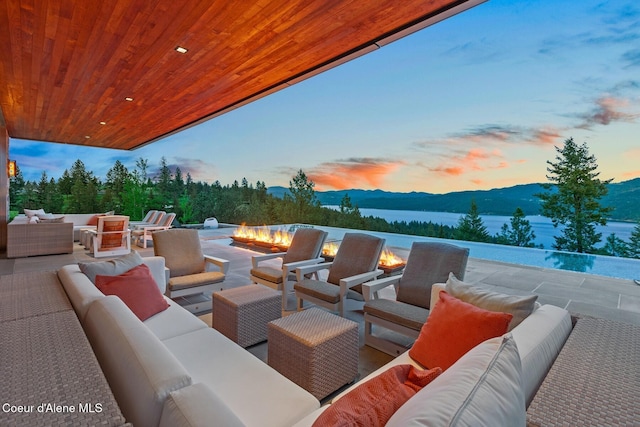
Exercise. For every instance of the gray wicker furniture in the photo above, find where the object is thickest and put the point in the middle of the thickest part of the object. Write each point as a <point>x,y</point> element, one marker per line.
<point>428,263</point>
<point>305,249</point>
<point>242,314</point>
<point>315,349</point>
<point>355,263</point>
<point>189,272</point>
<point>24,240</point>
<point>47,365</point>
<point>595,379</point>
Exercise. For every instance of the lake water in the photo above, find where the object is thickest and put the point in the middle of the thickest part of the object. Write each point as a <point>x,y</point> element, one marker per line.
<point>542,226</point>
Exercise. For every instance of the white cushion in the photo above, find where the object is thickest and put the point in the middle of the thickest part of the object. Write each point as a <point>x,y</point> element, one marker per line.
<point>483,388</point>
<point>33,212</point>
<point>254,391</point>
<point>539,338</point>
<point>197,405</point>
<point>80,290</point>
<point>140,370</point>
<point>173,321</point>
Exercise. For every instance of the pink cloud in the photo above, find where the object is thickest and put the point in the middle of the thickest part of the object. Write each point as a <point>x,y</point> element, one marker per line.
<point>608,110</point>
<point>353,173</point>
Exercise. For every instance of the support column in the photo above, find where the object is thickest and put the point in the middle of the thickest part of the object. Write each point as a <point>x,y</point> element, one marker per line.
<point>4,184</point>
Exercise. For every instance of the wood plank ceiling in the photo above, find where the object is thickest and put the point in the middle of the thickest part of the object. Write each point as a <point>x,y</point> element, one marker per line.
<point>67,67</point>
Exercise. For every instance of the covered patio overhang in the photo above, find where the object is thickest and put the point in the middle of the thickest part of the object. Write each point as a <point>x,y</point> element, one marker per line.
<point>125,74</point>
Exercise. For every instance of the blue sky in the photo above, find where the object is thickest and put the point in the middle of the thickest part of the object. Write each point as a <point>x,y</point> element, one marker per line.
<point>475,102</point>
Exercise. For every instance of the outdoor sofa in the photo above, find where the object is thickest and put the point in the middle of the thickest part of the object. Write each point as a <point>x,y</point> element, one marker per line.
<point>26,237</point>
<point>172,369</point>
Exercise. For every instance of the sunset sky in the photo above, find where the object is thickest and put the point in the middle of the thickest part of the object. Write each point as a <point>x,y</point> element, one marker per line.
<point>475,102</point>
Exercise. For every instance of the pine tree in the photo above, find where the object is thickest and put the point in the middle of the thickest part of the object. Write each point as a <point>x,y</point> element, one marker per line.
<point>633,246</point>
<point>520,233</point>
<point>471,227</point>
<point>572,198</point>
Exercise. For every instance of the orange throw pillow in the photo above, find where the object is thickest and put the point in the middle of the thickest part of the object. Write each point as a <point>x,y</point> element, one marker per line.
<point>94,220</point>
<point>137,289</point>
<point>375,401</point>
<point>453,328</point>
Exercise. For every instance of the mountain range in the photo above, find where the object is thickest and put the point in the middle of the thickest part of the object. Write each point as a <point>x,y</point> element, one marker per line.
<point>624,197</point>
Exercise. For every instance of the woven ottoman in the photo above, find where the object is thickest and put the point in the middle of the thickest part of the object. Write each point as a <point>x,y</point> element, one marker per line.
<point>242,314</point>
<point>315,349</point>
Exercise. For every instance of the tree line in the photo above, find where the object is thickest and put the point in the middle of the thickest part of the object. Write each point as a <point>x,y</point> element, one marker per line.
<point>570,199</point>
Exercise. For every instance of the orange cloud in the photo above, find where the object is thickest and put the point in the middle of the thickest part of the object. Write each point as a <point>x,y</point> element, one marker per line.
<point>353,173</point>
<point>477,159</point>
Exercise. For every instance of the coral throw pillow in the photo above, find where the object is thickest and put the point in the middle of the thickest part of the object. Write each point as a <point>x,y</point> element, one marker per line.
<point>137,289</point>
<point>375,401</point>
<point>94,219</point>
<point>453,328</point>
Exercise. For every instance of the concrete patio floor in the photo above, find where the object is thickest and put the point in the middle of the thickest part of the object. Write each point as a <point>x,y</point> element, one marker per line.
<point>580,293</point>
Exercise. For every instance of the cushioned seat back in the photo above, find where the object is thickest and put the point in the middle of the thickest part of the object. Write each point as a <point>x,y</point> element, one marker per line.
<point>306,244</point>
<point>181,250</point>
<point>358,253</point>
<point>429,263</point>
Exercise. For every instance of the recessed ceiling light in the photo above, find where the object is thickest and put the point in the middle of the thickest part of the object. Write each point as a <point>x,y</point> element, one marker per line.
<point>103,123</point>
<point>87,136</point>
<point>128,98</point>
<point>181,49</point>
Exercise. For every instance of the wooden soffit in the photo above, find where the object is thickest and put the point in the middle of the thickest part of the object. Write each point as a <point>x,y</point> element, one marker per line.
<point>67,67</point>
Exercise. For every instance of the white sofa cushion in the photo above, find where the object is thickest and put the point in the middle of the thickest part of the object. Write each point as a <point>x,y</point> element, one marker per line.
<point>255,392</point>
<point>483,388</point>
<point>173,322</point>
<point>80,290</point>
<point>197,405</point>
<point>140,370</point>
<point>540,337</point>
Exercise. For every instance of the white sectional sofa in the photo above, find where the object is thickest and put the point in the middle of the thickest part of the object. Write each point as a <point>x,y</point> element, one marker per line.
<point>482,388</point>
<point>172,369</point>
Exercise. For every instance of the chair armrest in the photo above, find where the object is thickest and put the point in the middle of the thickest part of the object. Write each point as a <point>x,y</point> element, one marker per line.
<point>223,264</point>
<point>314,268</point>
<point>350,282</point>
<point>291,266</point>
<point>435,294</point>
<point>259,258</point>
<point>370,289</point>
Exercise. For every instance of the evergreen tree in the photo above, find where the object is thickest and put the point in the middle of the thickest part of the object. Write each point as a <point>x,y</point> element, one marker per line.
<point>16,191</point>
<point>115,184</point>
<point>471,227</point>
<point>572,197</point>
<point>615,246</point>
<point>633,246</point>
<point>303,196</point>
<point>520,233</point>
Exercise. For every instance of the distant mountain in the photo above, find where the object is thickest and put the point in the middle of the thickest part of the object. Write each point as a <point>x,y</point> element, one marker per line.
<point>623,196</point>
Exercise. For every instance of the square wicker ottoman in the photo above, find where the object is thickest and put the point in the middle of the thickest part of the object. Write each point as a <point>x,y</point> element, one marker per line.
<point>242,314</point>
<point>315,349</point>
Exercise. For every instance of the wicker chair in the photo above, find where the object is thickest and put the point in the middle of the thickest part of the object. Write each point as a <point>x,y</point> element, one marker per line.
<point>304,249</point>
<point>428,263</point>
<point>188,266</point>
<point>354,263</point>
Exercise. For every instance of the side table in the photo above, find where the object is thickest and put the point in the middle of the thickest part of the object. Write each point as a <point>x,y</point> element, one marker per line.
<point>315,349</point>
